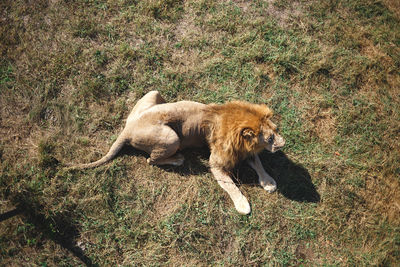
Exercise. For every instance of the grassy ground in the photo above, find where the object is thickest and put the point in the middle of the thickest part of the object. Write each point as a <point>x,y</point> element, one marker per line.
<point>70,71</point>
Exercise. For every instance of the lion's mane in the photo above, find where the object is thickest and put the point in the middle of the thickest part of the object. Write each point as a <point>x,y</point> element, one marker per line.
<point>232,130</point>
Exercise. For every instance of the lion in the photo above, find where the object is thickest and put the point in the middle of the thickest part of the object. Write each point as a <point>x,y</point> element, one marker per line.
<point>234,132</point>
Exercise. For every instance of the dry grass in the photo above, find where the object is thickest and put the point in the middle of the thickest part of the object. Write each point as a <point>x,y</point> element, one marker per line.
<point>71,71</point>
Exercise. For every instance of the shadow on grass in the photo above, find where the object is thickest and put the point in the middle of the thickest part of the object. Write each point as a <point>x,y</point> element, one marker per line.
<point>193,160</point>
<point>9,214</point>
<point>294,181</point>
<point>57,228</point>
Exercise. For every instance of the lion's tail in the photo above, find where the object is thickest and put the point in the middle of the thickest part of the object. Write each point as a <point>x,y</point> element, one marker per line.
<point>115,148</point>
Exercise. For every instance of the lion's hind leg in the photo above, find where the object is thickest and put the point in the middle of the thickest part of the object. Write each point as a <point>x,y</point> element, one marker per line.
<point>176,160</point>
<point>149,100</point>
<point>164,147</point>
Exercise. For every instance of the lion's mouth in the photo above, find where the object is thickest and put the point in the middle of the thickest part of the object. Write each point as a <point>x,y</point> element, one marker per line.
<point>276,148</point>
<point>273,149</point>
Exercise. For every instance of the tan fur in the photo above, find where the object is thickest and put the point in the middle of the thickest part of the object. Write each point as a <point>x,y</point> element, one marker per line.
<point>233,131</point>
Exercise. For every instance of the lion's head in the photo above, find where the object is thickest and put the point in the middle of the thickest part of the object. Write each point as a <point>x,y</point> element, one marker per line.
<point>240,129</point>
<point>265,136</point>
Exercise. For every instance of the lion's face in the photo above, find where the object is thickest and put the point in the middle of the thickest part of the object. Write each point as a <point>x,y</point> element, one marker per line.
<point>266,137</point>
<point>269,137</point>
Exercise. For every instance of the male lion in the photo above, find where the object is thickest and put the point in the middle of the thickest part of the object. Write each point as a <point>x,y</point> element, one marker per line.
<point>233,131</point>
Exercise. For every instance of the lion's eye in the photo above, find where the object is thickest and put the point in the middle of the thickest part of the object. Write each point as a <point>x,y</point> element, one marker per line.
<point>271,139</point>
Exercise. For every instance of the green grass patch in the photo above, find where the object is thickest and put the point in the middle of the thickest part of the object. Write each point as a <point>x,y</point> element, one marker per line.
<point>71,73</point>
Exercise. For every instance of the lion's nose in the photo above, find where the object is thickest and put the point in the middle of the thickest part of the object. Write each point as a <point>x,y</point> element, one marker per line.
<point>280,142</point>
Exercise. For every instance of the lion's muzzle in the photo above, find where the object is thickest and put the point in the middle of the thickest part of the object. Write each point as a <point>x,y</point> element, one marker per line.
<point>279,142</point>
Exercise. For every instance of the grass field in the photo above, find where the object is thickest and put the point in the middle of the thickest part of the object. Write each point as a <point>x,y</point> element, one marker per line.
<point>70,71</point>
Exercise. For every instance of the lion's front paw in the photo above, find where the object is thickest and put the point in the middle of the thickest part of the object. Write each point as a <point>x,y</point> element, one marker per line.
<point>243,206</point>
<point>270,186</point>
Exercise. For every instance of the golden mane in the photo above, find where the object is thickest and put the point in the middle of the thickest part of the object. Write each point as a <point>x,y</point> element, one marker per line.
<point>233,128</point>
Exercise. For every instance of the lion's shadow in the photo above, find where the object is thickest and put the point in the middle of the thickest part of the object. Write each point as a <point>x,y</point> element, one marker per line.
<point>195,160</point>
<point>293,180</point>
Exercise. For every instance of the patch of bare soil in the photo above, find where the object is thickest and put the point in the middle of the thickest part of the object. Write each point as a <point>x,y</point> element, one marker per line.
<point>284,14</point>
<point>325,125</point>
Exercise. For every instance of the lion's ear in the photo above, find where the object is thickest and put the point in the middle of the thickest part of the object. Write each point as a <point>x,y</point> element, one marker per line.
<point>248,133</point>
